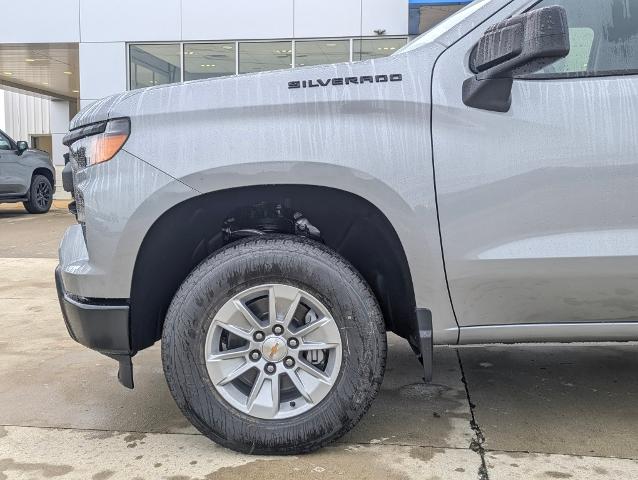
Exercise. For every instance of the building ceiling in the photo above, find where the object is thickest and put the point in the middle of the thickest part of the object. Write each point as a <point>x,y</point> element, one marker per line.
<point>46,68</point>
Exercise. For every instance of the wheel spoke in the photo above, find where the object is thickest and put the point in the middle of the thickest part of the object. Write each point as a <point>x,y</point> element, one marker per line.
<point>240,332</point>
<point>238,372</point>
<point>301,388</point>
<point>254,392</point>
<point>248,315</point>
<point>315,372</point>
<point>274,390</point>
<point>306,346</point>
<point>228,354</point>
<point>292,309</point>
<point>272,306</point>
<point>313,326</point>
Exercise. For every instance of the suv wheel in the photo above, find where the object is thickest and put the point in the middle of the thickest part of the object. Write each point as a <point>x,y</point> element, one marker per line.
<point>40,195</point>
<point>274,345</point>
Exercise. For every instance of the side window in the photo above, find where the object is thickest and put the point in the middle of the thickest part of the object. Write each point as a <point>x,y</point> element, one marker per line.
<point>603,36</point>
<point>5,143</point>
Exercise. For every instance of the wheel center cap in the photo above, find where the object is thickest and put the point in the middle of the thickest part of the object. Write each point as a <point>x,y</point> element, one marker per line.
<point>274,349</point>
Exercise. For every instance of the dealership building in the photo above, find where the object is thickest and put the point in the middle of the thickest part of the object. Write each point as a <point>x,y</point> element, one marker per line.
<point>68,53</point>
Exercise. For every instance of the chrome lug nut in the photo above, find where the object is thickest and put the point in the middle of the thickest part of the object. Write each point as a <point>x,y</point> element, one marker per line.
<point>259,336</point>
<point>289,362</point>
<point>270,368</point>
<point>255,355</point>
<point>278,329</point>
<point>293,342</point>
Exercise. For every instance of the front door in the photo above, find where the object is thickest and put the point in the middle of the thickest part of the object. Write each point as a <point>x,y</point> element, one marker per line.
<point>539,206</point>
<point>10,181</point>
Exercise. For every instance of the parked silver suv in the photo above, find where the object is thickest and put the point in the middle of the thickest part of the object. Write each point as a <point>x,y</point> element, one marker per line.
<point>480,185</point>
<point>26,175</point>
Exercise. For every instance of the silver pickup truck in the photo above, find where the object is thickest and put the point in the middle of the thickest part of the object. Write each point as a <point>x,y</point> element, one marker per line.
<point>480,185</point>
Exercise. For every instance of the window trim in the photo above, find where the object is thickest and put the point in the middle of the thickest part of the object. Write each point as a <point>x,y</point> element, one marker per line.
<point>181,45</point>
<point>573,75</point>
<point>12,143</point>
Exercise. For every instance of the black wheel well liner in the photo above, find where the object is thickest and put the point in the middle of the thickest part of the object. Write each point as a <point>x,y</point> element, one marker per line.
<point>191,231</point>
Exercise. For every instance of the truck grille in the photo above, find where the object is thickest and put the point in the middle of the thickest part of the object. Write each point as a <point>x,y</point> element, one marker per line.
<point>78,162</point>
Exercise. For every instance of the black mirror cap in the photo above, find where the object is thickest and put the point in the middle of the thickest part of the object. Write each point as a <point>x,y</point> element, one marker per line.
<point>520,45</point>
<point>22,146</point>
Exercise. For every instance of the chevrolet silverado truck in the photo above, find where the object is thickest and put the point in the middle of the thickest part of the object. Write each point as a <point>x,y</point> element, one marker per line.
<point>477,186</point>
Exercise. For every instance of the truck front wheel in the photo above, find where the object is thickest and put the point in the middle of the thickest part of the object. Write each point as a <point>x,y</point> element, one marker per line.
<point>274,345</point>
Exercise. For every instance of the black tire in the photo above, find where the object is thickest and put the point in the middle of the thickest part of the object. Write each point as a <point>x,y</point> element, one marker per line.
<point>40,195</point>
<point>276,259</point>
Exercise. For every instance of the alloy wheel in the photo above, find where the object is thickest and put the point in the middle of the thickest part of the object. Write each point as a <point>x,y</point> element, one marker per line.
<point>273,351</point>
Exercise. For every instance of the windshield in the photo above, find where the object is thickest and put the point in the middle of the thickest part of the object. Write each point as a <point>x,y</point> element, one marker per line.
<point>442,27</point>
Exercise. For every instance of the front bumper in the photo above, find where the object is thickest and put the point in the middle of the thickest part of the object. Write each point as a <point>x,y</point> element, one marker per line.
<point>100,325</point>
<point>97,324</point>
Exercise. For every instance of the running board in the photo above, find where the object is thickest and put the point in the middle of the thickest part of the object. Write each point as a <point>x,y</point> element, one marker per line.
<point>426,344</point>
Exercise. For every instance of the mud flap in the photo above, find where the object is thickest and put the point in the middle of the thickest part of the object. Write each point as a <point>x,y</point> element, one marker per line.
<point>125,372</point>
<point>426,347</point>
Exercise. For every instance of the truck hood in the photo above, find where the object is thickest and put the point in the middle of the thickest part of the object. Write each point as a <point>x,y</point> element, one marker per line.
<point>99,111</point>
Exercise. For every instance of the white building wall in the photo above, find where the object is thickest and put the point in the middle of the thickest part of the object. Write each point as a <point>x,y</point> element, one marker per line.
<point>40,21</point>
<point>131,20</point>
<point>25,115</point>
<point>102,70</point>
<point>388,15</point>
<point>59,126</point>
<point>208,20</point>
<point>327,18</point>
<point>3,122</point>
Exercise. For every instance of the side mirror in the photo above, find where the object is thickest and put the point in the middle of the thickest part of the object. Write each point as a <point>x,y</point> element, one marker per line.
<point>22,146</point>
<point>520,45</point>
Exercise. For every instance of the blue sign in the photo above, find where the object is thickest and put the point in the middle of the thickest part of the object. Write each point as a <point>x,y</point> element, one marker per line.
<point>440,2</point>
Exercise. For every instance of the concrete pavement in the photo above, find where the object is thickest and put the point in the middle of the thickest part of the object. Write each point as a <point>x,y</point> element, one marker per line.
<point>540,412</point>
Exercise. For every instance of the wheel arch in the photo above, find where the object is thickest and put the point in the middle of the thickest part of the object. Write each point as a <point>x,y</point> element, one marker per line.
<point>44,172</point>
<point>191,230</point>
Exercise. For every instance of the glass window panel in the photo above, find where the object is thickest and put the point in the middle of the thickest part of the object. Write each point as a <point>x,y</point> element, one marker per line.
<point>319,52</point>
<point>365,49</point>
<point>154,65</point>
<point>205,60</point>
<point>5,144</point>
<point>603,36</point>
<point>262,56</point>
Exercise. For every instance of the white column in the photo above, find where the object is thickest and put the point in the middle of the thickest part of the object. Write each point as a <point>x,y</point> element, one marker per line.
<point>59,124</point>
<point>102,70</point>
<point>3,120</point>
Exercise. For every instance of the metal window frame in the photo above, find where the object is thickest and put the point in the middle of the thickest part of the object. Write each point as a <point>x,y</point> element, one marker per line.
<point>237,42</point>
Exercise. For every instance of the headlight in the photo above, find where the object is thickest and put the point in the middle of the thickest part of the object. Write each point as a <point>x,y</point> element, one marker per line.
<point>98,142</point>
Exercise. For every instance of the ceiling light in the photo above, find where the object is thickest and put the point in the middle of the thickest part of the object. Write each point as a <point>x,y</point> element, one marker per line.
<point>68,73</point>
<point>331,44</point>
<point>29,60</point>
<point>75,91</point>
<point>227,47</point>
<point>45,83</point>
<point>8,73</point>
